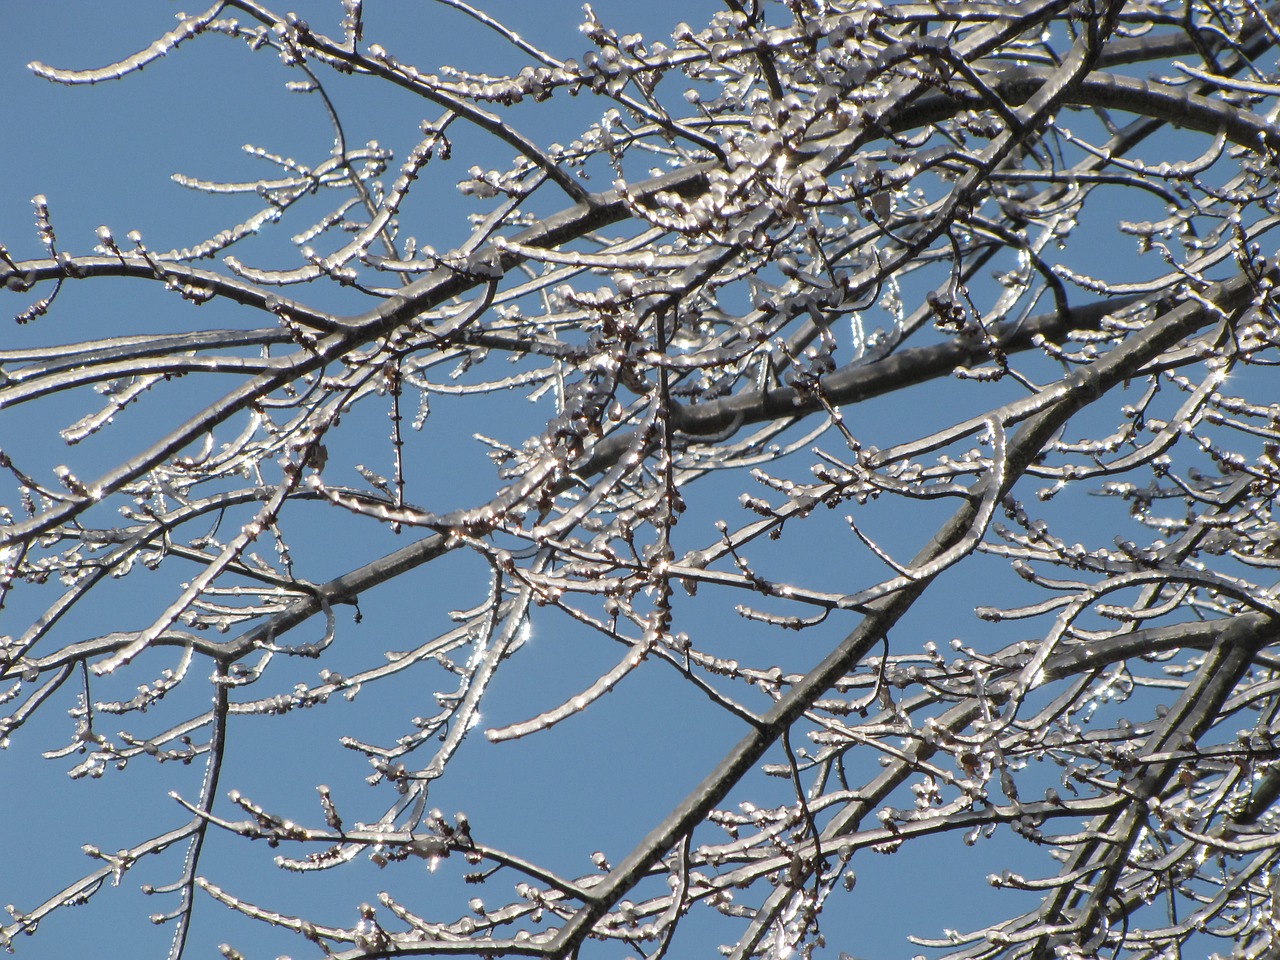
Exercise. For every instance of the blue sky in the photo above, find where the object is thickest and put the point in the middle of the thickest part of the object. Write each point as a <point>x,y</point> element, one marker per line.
<point>104,155</point>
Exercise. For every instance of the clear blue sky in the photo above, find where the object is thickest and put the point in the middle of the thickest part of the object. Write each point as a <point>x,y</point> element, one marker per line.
<point>103,155</point>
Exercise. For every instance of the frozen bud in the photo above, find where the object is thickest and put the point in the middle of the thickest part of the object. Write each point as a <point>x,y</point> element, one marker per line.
<point>462,829</point>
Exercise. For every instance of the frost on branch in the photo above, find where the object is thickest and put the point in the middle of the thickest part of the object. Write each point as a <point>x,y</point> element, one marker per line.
<point>866,409</point>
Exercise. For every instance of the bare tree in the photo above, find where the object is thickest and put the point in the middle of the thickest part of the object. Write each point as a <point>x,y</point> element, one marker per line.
<point>1024,242</point>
